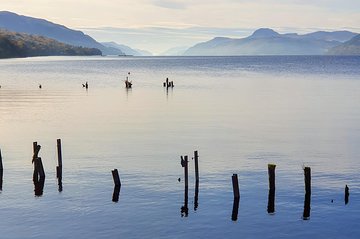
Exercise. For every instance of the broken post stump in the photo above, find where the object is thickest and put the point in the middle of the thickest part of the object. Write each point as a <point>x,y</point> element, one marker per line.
<point>271,198</point>
<point>116,177</point>
<point>235,184</point>
<point>307,176</point>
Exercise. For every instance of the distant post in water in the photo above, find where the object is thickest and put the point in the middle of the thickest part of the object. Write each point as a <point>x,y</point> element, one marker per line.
<point>117,184</point>
<point>271,199</point>
<point>59,167</point>
<point>235,184</point>
<point>1,172</point>
<point>196,198</point>
<point>39,172</point>
<point>307,175</point>
<point>346,194</point>
<point>184,164</point>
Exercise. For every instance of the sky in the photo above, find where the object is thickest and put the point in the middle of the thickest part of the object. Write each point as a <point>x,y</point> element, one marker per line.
<point>157,25</point>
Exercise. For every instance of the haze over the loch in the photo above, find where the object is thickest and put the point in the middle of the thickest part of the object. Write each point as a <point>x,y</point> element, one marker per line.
<point>157,25</point>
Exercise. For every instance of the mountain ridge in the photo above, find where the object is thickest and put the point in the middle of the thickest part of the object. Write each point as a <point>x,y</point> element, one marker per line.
<point>265,41</point>
<point>37,26</point>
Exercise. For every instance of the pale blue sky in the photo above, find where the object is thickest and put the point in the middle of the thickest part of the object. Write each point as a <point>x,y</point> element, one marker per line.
<point>156,25</point>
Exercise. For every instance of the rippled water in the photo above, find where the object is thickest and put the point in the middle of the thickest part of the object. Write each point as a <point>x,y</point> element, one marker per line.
<point>240,113</point>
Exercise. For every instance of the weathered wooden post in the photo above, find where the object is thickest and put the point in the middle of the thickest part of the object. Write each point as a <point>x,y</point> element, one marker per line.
<point>59,167</point>
<point>346,194</point>
<point>1,172</point>
<point>307,175</point>
<point>184,164</point>
<point>235,184</point>
<point>39,172</point>
<point>271,199</point>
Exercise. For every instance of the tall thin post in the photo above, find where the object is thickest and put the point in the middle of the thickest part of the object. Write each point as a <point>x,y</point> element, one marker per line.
<point>307,175</point>
<point>271,199</point>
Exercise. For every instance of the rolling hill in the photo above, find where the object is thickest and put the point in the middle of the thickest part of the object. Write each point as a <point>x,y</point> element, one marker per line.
<point>13,44</point>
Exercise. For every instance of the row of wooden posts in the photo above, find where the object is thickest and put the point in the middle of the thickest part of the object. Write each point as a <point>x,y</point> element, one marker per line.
<point>39,180</point>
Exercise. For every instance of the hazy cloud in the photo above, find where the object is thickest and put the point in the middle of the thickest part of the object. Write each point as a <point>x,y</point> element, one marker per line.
<point>169,4</point>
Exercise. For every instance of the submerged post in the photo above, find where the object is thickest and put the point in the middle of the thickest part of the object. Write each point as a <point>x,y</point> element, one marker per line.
<point>271,199</point>
<point>346,194</point>
<point>235,184</point>
<point>307,175</point>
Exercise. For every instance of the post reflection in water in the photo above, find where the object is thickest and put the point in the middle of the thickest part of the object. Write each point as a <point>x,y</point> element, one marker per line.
<point>116,193</point>
<point>306,214</point>
<point>184,208</point>
<point>39,186</point>
<point>235,210</point>
<point>196,198</point>
<point>271,202</point>
<point>1,178</point>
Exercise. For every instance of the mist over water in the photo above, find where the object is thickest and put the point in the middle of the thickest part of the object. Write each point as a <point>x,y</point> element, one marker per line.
<point>240,113</point>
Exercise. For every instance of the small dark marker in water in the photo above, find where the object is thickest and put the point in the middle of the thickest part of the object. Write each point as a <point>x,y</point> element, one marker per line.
<point>40,86</point>
<point>332,200</point>
<point>179,179</point>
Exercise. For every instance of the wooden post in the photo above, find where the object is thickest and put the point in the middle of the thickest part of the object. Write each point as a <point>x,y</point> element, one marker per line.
<point>346,194</point>
<point>307,175</point>
<point>116,177</point>
<point>271,199</point>
<point>235,183</point>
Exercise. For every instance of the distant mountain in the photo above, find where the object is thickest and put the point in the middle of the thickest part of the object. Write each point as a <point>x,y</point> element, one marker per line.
<point>175,51</point>
<point>266,41</point>
<point>340,36</point>
<point>17,23</point>
<point>351,47</point>
<point>126,50</point>
<point>13,44</point>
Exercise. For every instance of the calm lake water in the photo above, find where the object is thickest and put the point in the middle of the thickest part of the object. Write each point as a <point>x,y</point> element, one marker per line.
<point>240,113</point>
